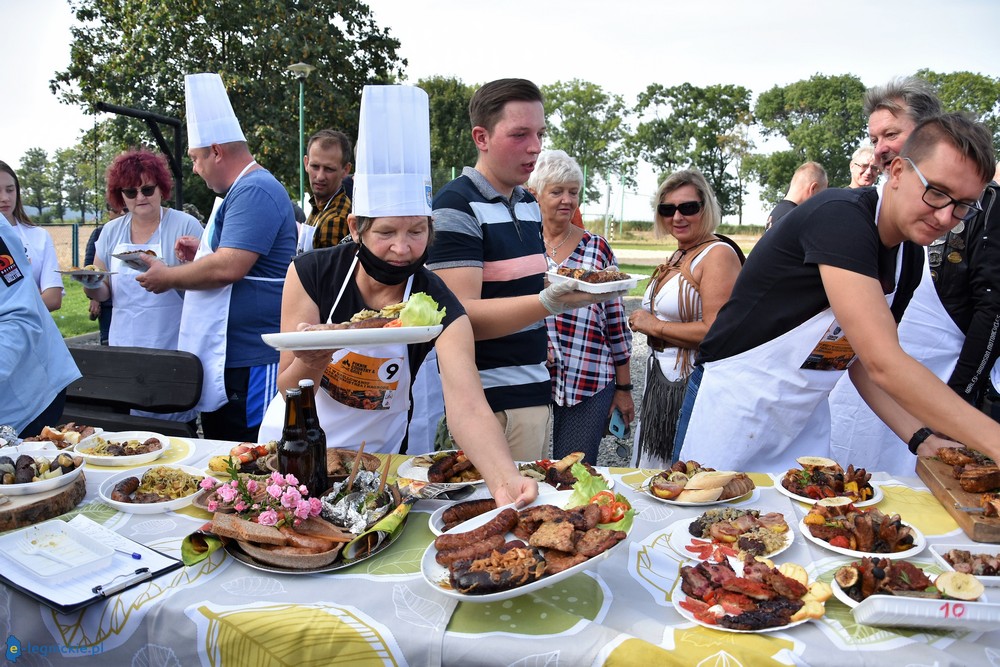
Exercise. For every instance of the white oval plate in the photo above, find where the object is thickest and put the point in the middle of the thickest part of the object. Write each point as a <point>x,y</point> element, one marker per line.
<point>681,503</point>
<point>120,461</point>
<point>436,520</point>
<point>877,493</point>
<point>594,288</point>
<point>680,538</point>
<point>919,542</point>
<point>437,575</point>
<point>29,488</point>
<point>678,595</point>
<point>889,610</point>
<point>939,550</point>
<point>338,338</point>
<point>417,467</point>
<point>108,485</point>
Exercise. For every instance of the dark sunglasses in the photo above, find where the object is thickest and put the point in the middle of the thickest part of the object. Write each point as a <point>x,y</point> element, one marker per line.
<point>687,208</point>
<point>132,193</point>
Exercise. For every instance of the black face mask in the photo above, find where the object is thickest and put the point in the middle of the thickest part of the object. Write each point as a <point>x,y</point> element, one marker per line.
<point>384,272</point>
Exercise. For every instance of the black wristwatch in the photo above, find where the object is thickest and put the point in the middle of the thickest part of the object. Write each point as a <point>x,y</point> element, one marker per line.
<point>623,387</point>
<point>918,439</point>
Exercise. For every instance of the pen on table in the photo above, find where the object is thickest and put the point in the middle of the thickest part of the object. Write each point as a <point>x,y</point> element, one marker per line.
<point>110,588</point>
<point>133,554</point>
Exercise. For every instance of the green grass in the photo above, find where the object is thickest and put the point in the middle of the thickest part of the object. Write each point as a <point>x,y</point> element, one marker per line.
<point>73,319</point>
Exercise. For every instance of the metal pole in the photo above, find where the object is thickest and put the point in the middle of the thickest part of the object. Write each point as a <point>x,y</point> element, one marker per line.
<point>302,132</point>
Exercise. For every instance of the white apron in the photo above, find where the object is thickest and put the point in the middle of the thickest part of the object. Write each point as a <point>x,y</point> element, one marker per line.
<point>205,319</point>
<point>305,242</point>
<point>928,334</point>
<point>363,395</point>
<point>776,410</point>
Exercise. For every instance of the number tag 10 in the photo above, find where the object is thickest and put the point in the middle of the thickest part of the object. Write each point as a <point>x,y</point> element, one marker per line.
<point>952,610</point>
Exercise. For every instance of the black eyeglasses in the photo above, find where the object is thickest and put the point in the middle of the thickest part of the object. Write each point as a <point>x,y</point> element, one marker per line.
<point>132,193</point>
<point>867,167</point>
<point>686,208</point>
<point>937,199</point>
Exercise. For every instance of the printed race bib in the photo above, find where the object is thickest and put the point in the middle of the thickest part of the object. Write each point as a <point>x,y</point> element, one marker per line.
<point>364,383</point>
<point>832,353</point>
<point>10,272</point>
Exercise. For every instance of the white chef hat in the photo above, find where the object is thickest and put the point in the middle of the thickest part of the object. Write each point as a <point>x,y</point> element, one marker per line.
<point>210,117</point>
<point>393,156</point>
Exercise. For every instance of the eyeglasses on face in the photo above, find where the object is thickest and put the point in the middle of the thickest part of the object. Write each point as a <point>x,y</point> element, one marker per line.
<point>867,167</point>
<point>686,208</point>
<point>937,199</point>
<point>132,193</point>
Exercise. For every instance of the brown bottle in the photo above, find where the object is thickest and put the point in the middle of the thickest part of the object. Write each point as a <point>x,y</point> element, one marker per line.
<point>316,438</point>
<point>294,456</point>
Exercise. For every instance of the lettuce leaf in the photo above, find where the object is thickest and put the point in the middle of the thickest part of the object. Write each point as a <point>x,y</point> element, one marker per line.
<point>587,486</point>
<point>421,311</point>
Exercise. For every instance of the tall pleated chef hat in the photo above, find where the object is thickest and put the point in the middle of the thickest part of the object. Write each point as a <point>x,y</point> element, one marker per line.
<point>393,155</point>
<point>210,117</point>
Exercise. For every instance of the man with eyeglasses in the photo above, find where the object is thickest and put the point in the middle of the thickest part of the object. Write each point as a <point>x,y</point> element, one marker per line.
<point>864,171</point>
<point>808,179</point>
<point>951,325</point>
<point>823,292</point>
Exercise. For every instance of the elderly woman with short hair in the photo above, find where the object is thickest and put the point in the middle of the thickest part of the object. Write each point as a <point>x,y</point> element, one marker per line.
<point>589,348</point>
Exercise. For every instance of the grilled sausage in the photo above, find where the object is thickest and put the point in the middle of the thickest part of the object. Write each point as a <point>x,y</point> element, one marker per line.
<point>467,510</point>
<point>122,493</point>
<point>501,524</point>
<point>470,552</point>
<point>440,470</point>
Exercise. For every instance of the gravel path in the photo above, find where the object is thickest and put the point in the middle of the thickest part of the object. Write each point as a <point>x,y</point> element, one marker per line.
<point>609,452</point>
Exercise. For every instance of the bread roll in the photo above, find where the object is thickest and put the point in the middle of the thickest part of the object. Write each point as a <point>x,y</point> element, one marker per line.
<point>715,479</point>
<point>699,495</point>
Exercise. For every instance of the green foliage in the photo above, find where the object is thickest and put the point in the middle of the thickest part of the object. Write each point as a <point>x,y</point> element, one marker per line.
<point>588,123</point>
<point>822,120</point>
<point>702,127</point>
<point>73,319</point>
<point>976,94</point>
<point>451,131</point>
<point>33,174</point>
<point>135,54</point>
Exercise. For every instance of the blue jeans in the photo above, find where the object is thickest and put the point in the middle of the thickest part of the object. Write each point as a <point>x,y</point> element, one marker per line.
<point>694,381</point>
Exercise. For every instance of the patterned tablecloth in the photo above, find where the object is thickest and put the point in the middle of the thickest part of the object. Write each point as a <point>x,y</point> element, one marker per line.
<point>381,611</point>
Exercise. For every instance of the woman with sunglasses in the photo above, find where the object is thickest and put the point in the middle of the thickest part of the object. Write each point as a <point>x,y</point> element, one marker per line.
<point>138,181</point>
<point>590,347</point>
<point>682,300</point>
<point>37,242</point>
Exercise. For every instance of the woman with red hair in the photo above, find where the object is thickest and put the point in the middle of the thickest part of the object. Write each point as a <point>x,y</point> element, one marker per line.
<point>138,182</point>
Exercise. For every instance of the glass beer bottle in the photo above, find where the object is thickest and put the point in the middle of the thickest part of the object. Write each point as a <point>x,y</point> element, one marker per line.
<point>294,456</point>
<point>315,437</point>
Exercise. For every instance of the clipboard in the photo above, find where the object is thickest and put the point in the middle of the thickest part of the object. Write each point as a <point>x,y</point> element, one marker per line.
<point>76,592</point>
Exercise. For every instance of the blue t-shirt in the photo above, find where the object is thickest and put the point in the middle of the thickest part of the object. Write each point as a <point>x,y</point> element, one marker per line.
<point>256,215</point>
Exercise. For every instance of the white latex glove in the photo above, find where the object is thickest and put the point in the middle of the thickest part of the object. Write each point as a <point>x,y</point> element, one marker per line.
<point>562,297</point>
<point>89,282</point>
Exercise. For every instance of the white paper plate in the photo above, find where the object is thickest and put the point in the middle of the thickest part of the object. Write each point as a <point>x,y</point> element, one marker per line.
<point>29,488</point>
<point>678,595</point>
<point>147,508</point>
<point>877,494</point>
<point>680,538</point>
<point>594,288</point>
<point>437,575</point>
<point>919,542</point>
<point>681,503</point>
<point>417,467</point>
<point>121,461</point>
<point>338,338</point>
<point>939,550</point>
<point>132,260</point>
<point>889,610</point>
<point>73,546</point>
<point>84,273</point>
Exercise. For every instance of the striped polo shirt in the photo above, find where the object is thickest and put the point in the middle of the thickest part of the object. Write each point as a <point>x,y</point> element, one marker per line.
<point>476,226</point>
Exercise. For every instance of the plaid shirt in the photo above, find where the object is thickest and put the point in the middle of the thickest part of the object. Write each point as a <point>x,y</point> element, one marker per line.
<point>330,221</point>
<point>586,344</point>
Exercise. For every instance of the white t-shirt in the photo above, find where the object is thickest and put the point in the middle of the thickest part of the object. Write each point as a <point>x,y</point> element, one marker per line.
<point>41,252</point>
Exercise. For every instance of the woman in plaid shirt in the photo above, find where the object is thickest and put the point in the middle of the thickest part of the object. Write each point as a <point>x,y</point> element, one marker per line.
<point>589,348</point>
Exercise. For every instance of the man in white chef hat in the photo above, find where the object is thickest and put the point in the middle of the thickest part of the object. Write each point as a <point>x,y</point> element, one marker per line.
<point>233,277</point>
<point>363,390</point>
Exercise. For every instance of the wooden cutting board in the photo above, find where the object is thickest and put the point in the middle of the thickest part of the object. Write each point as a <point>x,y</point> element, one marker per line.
<point>939,479</point>
<point>28,510</point>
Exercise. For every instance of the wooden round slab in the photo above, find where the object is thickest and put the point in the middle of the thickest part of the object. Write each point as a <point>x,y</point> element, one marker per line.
<point>28,510</point>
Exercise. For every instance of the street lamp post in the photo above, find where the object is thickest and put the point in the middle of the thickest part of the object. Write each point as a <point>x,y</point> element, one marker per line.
<point>301,71</point>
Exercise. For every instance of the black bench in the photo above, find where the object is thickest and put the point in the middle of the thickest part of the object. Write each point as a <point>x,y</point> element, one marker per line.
<point>119,379</point>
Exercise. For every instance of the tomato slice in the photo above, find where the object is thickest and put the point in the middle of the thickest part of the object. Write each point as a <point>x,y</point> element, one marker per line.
<point>618,510</point>
<point>603,498</point>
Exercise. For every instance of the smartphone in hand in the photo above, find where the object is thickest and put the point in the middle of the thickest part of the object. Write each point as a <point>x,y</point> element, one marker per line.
<point>617,426</point>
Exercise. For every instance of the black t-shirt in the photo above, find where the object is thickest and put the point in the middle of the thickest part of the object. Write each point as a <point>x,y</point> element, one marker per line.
<point>780,287</point>
<point>784,207</point>
<point>323,271</point>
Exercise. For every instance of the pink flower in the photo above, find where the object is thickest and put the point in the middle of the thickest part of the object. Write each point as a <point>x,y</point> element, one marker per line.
<point>213,505</point>
<point>290,498</point>
<point>252,486</point>
<point>276,478</point>
<point>207,483</point>
<point>274,490</point>
<point>302,509</point>
<point>291,480</point>
<point>315,506</point>
<point>240,506</point>
<point>227,493</point>
<point>268,518</point>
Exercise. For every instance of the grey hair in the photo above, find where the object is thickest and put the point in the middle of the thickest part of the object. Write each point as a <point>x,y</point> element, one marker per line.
<point>865,149</point>
<point>554,167</point>
<point>711,213</point>
<point>365,222</point>
<point>908,95</point>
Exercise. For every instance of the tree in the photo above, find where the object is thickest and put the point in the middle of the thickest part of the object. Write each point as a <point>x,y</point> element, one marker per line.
<point>687,125</point>
<point>976,94</point>
<point>737,146</point>
<point>138,58</point>
<point>822,120</point>
<point>588,125</point>
<point>33,175</point>
<point>451,132</point>
<point>59,169</point>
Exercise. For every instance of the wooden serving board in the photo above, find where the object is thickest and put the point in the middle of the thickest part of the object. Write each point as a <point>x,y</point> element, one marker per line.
<point>28,510</point>
<point>939,479</point>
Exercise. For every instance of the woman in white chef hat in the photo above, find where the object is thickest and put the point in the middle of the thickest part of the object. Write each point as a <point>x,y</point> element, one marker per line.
<point>363,393</point>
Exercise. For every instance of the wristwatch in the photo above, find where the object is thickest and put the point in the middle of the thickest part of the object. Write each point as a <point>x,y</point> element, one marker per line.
<point>918,438</point>
<point>623,387</point>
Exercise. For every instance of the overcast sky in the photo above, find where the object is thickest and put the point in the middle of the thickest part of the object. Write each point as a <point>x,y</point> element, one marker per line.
<point>622,46</point>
